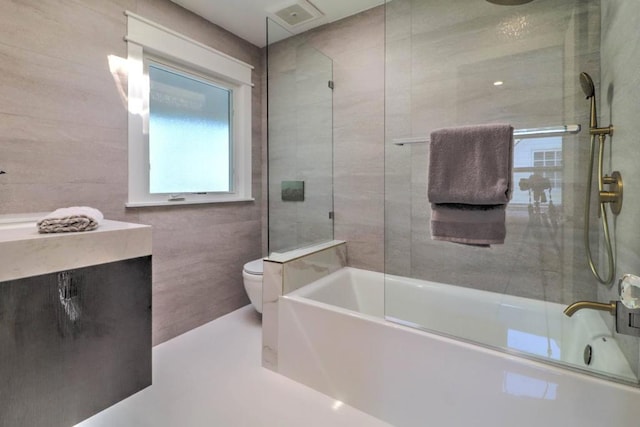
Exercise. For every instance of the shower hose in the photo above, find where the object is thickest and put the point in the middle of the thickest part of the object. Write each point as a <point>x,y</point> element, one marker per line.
<point>603,214</point>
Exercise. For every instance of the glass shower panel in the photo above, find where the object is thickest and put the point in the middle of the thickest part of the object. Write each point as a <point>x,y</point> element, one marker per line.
<point>300,144</point>
<point>472,62</point>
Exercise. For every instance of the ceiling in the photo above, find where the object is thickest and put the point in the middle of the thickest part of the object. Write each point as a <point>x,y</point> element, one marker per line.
<point>246,18</point>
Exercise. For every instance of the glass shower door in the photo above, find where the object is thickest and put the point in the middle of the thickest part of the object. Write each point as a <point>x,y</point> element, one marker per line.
<point>495,64</point>
<point>300,141</point>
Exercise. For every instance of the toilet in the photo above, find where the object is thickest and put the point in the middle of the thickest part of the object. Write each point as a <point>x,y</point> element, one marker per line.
<point>252,278</point>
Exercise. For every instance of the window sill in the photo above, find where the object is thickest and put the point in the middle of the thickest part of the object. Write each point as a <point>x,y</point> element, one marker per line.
<point>187,202</point>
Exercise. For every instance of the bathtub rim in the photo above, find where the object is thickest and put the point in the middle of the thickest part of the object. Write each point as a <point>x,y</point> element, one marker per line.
<point>552,365</point>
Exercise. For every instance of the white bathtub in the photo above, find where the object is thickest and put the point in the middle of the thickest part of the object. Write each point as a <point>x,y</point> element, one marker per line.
<point>333,337</point>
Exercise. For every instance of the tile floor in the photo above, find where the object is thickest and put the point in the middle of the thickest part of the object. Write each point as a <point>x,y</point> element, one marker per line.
<point>212,376</point>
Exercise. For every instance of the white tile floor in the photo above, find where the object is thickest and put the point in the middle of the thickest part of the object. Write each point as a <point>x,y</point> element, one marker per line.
<point>212,376</point>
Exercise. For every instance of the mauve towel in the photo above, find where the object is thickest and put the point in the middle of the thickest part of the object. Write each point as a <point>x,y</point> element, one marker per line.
<point>471,165</point>
<point>470,183</point>
<point>478,225</point>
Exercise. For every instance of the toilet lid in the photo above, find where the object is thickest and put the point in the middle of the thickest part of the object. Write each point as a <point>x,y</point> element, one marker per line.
<point>254,267</point>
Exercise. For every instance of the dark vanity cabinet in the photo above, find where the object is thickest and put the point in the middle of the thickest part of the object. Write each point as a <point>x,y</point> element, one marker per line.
<point>74,342</point>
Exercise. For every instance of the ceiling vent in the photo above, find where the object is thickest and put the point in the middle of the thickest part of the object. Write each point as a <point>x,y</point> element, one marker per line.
<point>297,14</point>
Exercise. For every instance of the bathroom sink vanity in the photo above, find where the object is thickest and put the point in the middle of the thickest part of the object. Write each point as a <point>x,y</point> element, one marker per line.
<point>75,320</point>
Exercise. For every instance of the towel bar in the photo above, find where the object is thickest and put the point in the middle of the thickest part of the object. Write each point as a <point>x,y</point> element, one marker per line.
<point>518,134</point>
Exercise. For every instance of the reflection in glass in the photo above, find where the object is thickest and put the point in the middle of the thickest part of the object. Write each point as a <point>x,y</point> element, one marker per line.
<point>519,385</point>
<point>537,167</point>
<point>539,345</point>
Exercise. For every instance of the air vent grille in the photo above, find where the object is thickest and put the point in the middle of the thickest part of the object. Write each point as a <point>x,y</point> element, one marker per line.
<point>297,14</point>
<point>294,15</point>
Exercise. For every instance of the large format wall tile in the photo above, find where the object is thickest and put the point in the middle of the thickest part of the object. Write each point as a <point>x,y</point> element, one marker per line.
<point>300,144</point>
<point>355,48</point>
<point>441,61</point>
<point>64,138</point>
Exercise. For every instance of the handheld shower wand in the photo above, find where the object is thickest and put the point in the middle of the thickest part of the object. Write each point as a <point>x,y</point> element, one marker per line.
<point>590,91</point>
<point>614,196</point>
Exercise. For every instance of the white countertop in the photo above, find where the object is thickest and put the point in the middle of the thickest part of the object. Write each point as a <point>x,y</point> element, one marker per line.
<point>24,252</point>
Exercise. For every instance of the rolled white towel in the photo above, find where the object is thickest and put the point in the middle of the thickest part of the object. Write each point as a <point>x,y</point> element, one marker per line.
<point>75,218</point>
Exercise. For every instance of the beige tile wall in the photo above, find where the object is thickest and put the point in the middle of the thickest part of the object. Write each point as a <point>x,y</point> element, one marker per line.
<point>63,142</point>
<point>441,61</point>
<point>356,48</point>
<point>300,144</point>
<point>432,55</point>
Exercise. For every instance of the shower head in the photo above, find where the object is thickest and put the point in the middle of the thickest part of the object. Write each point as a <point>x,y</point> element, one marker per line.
<point>590,91</point>
<point>587,85</point>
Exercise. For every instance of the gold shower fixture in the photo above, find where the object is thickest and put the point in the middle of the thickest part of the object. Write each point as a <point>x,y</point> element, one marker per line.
<point>612,196</point>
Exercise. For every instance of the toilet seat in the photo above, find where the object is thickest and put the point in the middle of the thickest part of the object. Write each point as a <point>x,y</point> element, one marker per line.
<point>254,267</point>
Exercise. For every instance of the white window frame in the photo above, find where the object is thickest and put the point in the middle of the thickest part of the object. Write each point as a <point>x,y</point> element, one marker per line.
<point>148,39</point>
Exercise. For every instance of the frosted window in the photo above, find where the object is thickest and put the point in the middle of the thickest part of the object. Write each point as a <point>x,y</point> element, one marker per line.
<point>189,120</point>
<point>189,134</point>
